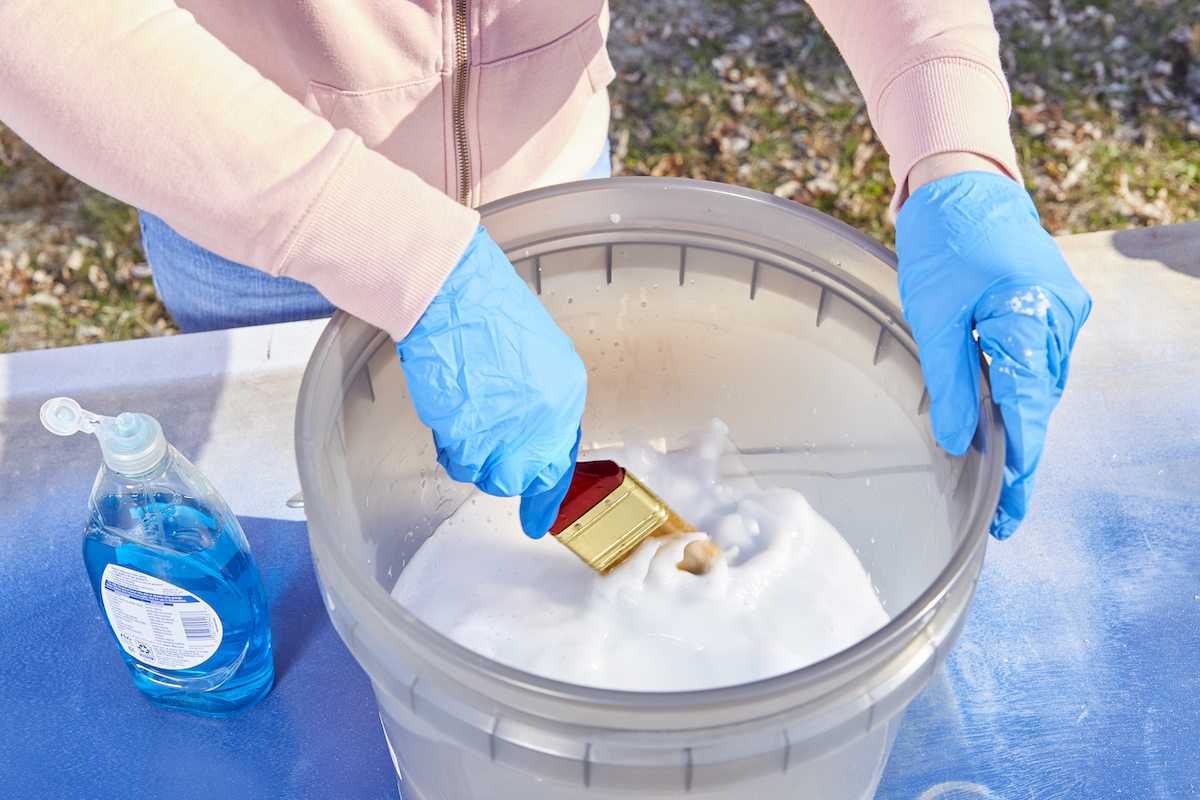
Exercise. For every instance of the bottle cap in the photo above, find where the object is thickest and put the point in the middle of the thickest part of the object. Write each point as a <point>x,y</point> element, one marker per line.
<point>132,444</point>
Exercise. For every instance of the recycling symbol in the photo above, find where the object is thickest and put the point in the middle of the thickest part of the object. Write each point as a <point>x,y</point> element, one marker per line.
<point>144,649</point>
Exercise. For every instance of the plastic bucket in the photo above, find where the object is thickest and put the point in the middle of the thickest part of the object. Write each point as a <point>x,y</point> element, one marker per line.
<point>686,300</point>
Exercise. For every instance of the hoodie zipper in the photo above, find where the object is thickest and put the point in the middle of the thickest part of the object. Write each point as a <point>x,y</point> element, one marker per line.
<point>461,66</point>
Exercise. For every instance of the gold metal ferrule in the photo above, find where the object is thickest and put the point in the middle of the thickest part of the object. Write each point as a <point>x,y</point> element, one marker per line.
<point>610,530</point>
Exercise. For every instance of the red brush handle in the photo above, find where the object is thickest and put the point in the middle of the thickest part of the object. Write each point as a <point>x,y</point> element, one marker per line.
<point>592,482</point>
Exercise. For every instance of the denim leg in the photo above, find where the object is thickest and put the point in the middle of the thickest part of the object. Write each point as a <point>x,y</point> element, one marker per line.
<point>204,292</point>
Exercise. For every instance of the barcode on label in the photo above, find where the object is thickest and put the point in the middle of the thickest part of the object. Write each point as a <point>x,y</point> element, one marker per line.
<point>196,625</point>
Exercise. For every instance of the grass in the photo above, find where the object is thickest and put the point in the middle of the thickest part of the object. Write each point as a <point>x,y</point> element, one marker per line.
<point>71,262</point>
<point>783,118</point>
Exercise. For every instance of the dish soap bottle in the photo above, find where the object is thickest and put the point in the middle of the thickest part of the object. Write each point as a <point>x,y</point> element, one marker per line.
<point>171,569</point>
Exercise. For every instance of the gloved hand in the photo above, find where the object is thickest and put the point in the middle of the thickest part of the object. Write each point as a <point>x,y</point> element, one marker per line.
<point>973,256</point>
<point>496,379</point>
<point>538,511</point>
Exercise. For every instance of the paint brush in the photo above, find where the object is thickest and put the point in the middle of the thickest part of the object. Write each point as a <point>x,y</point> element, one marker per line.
<point>607,513</point>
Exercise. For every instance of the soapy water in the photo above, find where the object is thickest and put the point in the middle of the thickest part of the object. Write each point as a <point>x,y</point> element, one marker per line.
<point>787,592</point>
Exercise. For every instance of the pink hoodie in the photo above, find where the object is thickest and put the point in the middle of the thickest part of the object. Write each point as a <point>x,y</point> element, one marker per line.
<point>330,140</point>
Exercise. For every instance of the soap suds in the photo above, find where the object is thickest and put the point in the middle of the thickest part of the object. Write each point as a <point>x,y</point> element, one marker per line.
<point>788,591</point>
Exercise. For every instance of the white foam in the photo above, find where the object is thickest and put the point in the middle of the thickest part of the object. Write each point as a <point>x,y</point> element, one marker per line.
<point>788,593</point>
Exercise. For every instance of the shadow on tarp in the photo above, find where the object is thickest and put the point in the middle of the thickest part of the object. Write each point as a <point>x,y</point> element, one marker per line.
<point>1176,246</point>
<point>297,612</point>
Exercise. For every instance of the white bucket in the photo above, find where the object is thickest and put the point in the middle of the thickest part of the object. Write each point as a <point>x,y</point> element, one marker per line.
<point>725,302</point>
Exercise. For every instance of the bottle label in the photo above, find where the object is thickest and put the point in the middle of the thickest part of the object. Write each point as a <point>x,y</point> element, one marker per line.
<point>159,623</point>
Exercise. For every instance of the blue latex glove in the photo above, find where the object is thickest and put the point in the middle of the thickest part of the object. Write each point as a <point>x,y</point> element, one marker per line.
<point>496,379</point>
<point>973,256</point>
<point>538,511</point>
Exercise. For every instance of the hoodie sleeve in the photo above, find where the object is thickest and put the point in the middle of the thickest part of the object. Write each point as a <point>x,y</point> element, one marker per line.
<point>931,75</point>
<point>138,100</point>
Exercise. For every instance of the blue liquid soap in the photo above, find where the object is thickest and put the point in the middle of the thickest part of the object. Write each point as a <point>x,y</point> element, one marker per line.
<point>171,570</point>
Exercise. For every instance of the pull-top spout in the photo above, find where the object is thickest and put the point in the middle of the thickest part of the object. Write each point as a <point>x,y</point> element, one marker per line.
<point>132,444</point>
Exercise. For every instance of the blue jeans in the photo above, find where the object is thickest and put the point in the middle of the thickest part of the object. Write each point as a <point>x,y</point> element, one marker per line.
<point>205,292</point>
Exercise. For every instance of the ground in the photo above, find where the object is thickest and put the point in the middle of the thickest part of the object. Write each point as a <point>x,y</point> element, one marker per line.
<point>1106,120</point>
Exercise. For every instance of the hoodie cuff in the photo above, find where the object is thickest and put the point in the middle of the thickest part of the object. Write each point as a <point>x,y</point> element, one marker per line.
<point>378,242</point>
<point>940,106</point>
